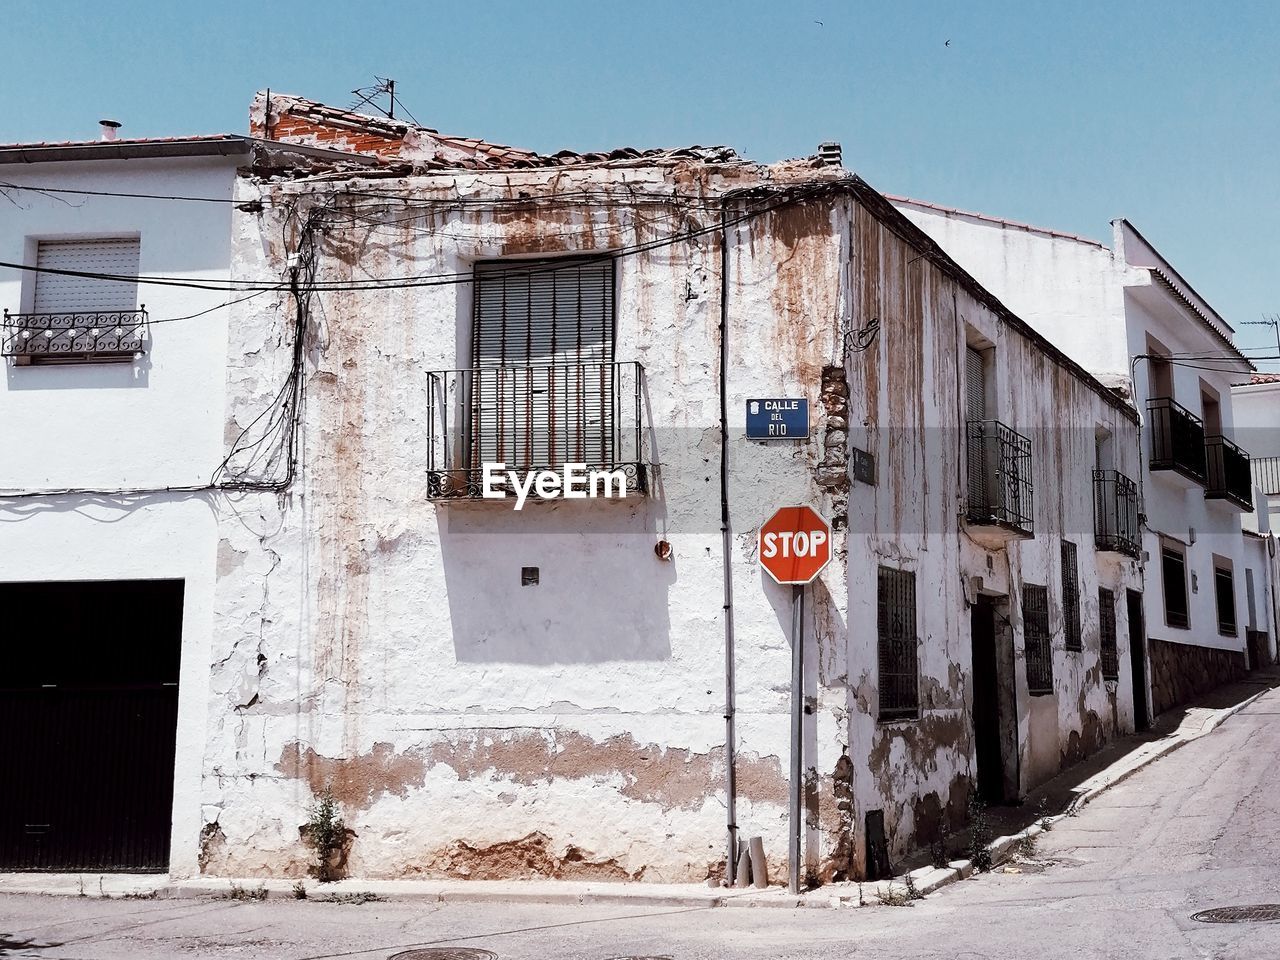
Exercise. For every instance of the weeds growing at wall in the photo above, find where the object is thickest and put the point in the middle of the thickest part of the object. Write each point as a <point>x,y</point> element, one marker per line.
<point>979,834</point>
<point>327,833</point>
<point>238,892</point>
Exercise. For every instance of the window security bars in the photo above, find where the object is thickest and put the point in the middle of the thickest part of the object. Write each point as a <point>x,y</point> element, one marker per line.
<point>1173,569</point>
<point>898,654</point>
<point>536,417</point>
<point>74,337</point>
<point>1035,638</point>
<point>1116,513</point>
<point>1230,477</point>
<point>1107,631</point>
<point>1071,597</point>
<point>1177,439</point>
<point>1225,595</point>
<point>1000,488</point>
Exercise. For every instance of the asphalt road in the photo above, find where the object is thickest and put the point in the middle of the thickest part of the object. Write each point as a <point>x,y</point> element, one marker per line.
<point>1194,830</point>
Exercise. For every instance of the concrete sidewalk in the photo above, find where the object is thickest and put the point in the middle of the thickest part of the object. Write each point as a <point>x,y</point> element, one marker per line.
<point>1063,796</point>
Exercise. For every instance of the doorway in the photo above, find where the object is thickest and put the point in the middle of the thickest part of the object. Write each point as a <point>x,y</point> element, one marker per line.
<point>88,724</point>
<point>994,706</point>
<point>1138,659</point>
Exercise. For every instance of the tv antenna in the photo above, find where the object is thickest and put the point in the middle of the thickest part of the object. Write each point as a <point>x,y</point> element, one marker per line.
<point>381,87</point>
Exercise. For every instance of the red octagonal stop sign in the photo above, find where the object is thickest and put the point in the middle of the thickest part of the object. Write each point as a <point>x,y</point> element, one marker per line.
<point>795,544</point>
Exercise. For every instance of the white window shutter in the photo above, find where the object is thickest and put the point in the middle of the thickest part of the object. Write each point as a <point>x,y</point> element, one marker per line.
<point>63,293</point>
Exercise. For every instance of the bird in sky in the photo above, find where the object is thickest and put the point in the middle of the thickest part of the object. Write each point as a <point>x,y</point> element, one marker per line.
<point>947,44</point>
<point>818,22</point>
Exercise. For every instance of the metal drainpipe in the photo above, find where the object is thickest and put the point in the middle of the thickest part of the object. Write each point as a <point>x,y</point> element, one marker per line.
<point>731,857</point>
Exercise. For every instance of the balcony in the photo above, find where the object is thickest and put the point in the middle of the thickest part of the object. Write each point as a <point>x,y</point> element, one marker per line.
<point>1116,514</point>
<point>1000,489</point>
<point>1266,474</point>
<point>1230,477</point>
<point>113,337</point>
<point>534,418</point>
<point>1177,441</point>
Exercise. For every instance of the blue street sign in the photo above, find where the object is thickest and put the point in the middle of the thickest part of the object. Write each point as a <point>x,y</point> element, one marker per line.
<point>778,419</point>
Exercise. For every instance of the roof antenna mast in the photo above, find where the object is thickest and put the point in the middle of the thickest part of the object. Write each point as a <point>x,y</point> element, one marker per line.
<point>381,87</point>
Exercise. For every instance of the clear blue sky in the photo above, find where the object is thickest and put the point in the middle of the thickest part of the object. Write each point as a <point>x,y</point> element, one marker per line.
<point>1062,114</point>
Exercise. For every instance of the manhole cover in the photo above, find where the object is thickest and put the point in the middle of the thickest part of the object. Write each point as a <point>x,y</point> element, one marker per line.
<point>446,953</point>
<point>1249,913</point>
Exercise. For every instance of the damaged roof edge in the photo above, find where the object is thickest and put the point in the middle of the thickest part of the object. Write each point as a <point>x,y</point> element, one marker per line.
<point>883,210</point>
<point>216,145</point>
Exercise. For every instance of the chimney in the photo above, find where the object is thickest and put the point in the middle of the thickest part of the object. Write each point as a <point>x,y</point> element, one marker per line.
<point>109,128</point>
<point>829,153</point>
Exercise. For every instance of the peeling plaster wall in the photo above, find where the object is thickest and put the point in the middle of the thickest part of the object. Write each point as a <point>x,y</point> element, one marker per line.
<point>377,642</point>
<point>906,405</point>
<point>372,641</point>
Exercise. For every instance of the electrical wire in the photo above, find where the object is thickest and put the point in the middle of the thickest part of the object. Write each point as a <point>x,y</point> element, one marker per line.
<point>283,416</point>
<point>781,199</point>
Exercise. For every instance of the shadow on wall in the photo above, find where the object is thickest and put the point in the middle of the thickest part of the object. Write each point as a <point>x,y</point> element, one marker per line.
<point>564,582</point>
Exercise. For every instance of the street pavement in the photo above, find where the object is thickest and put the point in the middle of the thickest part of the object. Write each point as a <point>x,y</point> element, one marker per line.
<point>1192,831</point>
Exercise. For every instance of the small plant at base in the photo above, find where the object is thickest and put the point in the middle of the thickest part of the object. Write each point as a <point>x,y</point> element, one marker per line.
<point>979,834</point>
<point>299,891</point>
<point>326,832</point>
<point>938,852</point>
<point>238,892</point>
<point>912,892</point>
<point>354,899</point>
<point>1046,822</point>
<point>1027,848</point>
<point>893,895</point>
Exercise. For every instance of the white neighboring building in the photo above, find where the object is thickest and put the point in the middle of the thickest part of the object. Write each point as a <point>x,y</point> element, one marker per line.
<point>1132,320</point>
<point>1257,417</point>
<point>113,421</point>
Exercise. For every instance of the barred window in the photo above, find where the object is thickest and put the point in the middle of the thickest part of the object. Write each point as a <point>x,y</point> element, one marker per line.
<point>1225,595</point>
<point>1107,631</point>
<point>544,381</point>
<point>1071,597</point>
<point>1035,638</point>
<point>899,685</point>
<point>1173,567</point>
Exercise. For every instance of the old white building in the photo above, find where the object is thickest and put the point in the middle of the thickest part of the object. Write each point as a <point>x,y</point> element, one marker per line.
<point>1129,317</point>
<point>492,692</point>
<point>581,688</point>
<point>113,406</point>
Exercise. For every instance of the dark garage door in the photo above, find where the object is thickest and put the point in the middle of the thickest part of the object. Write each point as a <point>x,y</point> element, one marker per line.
<point>88,718</point>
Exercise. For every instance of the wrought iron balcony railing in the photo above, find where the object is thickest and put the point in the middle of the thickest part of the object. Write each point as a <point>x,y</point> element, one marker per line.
<point>118,335</point>
<point>1177,439</point>
<point>1266,474</point>
<point>1000,488</point>
<point>1116,513</point>
<point>1229,475</point>
<point>533,418</point>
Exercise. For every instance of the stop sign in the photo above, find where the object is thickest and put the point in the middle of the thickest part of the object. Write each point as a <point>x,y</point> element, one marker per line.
<point>795,544</point>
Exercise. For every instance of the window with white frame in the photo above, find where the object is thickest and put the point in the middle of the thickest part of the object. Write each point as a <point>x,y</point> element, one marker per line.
<point>84,304</point>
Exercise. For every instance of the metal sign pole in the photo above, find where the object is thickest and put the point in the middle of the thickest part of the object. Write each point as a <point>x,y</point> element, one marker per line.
<point>796,837</point>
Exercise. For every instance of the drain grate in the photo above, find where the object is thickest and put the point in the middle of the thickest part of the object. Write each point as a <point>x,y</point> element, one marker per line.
<point>445,953</point>
<point>1248,913</point>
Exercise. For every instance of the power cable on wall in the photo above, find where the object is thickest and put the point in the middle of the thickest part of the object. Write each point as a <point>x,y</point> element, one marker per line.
<point>780,199</point>
<point>283,415</point>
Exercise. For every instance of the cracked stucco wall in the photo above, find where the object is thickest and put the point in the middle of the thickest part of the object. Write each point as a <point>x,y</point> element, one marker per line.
<point>369,640</point>
<point>906,394</point>
<point>373,641</point>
